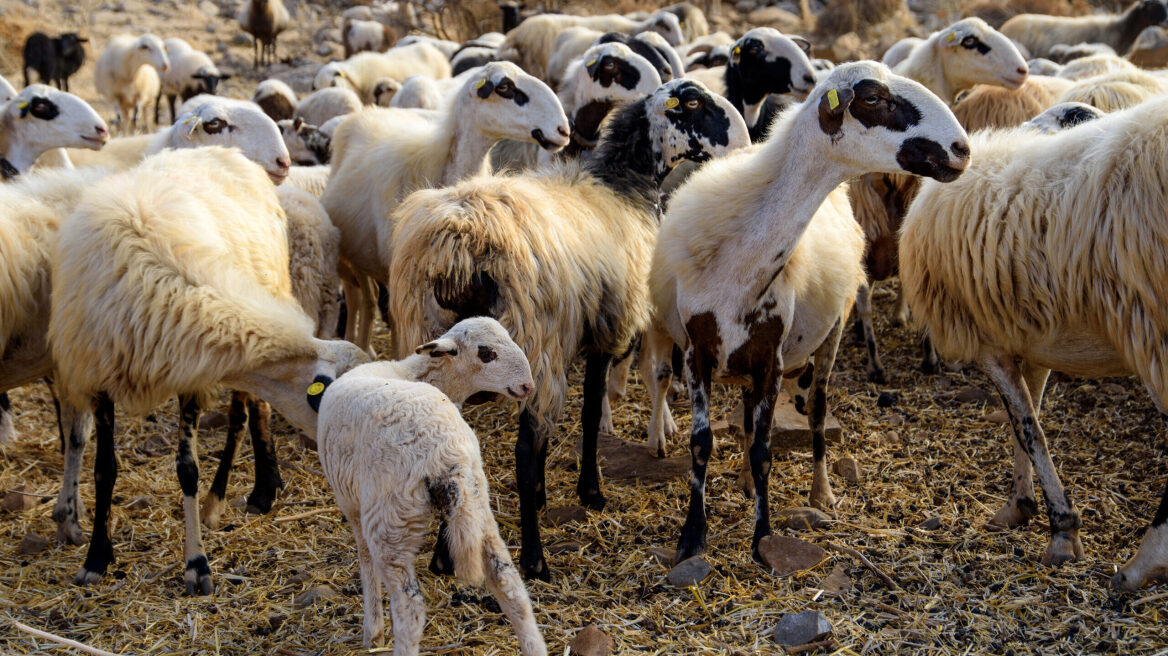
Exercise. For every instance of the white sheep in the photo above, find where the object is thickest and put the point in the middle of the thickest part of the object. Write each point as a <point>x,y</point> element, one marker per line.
<point>417,92</point>
<point>190,248</point>
<point>570,44</point>
<point>1064,53</point>
<point>264,20</point>
<point>361,72</point>
<point>318,107</point>
<point>396,451</point>
<point>1085,67</point>
<point>381,155</point>
<point>1116,90</point>
<point>1049,254</point>
<point>127,73</point>
<point>276,98</point>
<point>7,91</point>
<point>751,319</point>
<point>900,51</point>
<point>1039,33</point>
<point>191,73</point>
<point>361,35</point>
<point>560,257</point>
<point>1042,66</point>
<point>1062,116</point>
<point>446,46</point>
<point>41,118</point>
<point>992,106</point>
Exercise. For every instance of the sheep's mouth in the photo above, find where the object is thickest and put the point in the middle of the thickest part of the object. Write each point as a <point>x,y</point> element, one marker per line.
<point>95,142</point>
<point>801,94</point>
<point>516,395</point>
<point>546,143</point>
<point>1012,81</point>
<point>277,176</point>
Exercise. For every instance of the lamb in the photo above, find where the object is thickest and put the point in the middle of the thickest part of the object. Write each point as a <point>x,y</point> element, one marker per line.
<point>988,106</point>
<point>1041,66</point>
<point>572,42</point>
<point>276,98</point>
<point>1010,286</point>
<point>1039,33</point>
<point>385,89</point>
<point>191,73</point>
<point>1094,65</point>
<point>1113,91</point>
<point>900,51</point>
<point>263,20</point>
<point>54,59</point>
<point>749,320</point>
<point>362,72</point>
<point>318,107</point>
<point>417,92</point>
<point>307,144</point>
<point>1064,53</point>
<point>362,35</point>
<point>1062,116</point>
<point>127,75</point>
<point>381,155</point>
<point>191,249</point>
<point>395,450</point>
<point>510,247</point>
<point>41,118</point>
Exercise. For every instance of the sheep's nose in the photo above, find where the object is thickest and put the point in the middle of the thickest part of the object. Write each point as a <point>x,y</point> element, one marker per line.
<point>101,130</point>
<point>563,130</point>
<point>809,79</point>
<point>525,390</point>
<point>960,150</point>
<point>283,163</point>
<point>1023,70</point>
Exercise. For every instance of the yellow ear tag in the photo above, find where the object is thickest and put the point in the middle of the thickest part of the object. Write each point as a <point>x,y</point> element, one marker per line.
<point>22,104</point>
<point>590,64</point>
<point>671,102</point>
<point>341,74</point>
<point>737,50</point>
<point>950,38</point>
<point>480,84</point>
<point>316,388</point>
<point>832,99</point>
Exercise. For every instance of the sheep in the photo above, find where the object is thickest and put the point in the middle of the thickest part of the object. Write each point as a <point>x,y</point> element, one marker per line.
<point>1062,116</point>
<point>604,77</point>
<point>361,72</point>
<point>191,249</point>
<point>395,450</point>
<point>361,35</point>
<point>127,75</point>
<point>191,73</point>
<point>988,106</point>
<point>1041,66</point>
<point>511,248</point>
<point>318,107</point>
<point>691,20</point>
<point>7,91</point>
<point>966,53</point>
<point>417,92</point>
<point>263,20</point>
<point>1151,48</point>
<point>1113,91</point>
<point>381,155</point>
<point>751,319</point>
<point>276,98</point>
<point>900,50</point>
<point>1094,65</point>
<point>1039,33</point>
<point>473,54</point>
<point>307,144</point>
<point>1064,53</point>
<point>1048,254</point>
<point>386,88</point>
<point>572,42</point>
<point>54,59</point>
<point>40,118</point>
<point>312,179</point>
<point>447,47</point>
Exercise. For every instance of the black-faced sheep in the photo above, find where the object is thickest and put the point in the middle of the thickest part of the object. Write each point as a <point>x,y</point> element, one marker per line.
<point>263,20</point>
<point>1039,33</point>
<point>749,320</point>
<point>54,59</point>
<point>396,451</point>
<point>191,73</point>
<point>514,248</point>
<point>127,74</point>
<point>1047,255</point>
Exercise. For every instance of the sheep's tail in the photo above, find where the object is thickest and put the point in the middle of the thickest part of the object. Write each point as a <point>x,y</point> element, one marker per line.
<point>469,521</point>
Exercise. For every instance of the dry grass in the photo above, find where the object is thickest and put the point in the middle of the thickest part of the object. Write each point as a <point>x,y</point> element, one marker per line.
<point>966,590</point>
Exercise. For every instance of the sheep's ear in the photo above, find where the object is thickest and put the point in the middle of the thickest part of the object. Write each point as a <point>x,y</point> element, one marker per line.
<point>484,87</point>
<point>82,39</point>
<point>296,123</point>
<point>316,391</point>
<point>803,44</point>
<point>225,76</point>
<point>832,106</point>
<point>952,39</point>
<point>438,348</point>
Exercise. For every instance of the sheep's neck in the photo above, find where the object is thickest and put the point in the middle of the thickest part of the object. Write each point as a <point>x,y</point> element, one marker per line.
<point>21,155</point>
<point>926,66</point>
<point>628,165</point>
<point>436,372</point>
<point>469,150</point>
<point>1130,26</point>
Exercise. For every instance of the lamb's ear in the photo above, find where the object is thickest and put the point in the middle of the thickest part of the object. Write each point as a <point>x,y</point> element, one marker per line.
<point>225,76</point>
<point>316,391</point>
<point>438,348</point>
<point>484,87</point>
<point>803,44</point>
<point>296,123</point>
<point>832,107</point>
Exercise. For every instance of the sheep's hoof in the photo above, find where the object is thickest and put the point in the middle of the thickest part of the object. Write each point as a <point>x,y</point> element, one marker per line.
<point>200,585</point>
<point>606,425</point>
<point>746,483</point>
<point>1016,512</point>
<point>876,375</point>
<point>592,499</point>
<point>537,570</point>
<point>440,565</point>
<point>374,639</point>
<point>930,366</point>
<point>1064,547</point>
<point>259,504</point>
<point>688,547</point>
<point>822,500</point>
<point>69,532</point>
<point>85,576</point>
<point>100,555</point>
<point>211,511</point>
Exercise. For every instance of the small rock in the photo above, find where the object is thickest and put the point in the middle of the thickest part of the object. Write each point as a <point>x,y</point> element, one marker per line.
<point>973,394</point>
<point>324,50</point>
<point>1114,388</point>
<point>18,500</point>
<point>663,555</point>
<point>893,437</point>
<point>837,582</point>
<point>209,8</point>
<point>688,572</point>
<point>1087,389</point>
<point>570,546</point>
<point>720,428</point>
<point>313,595</point>
<point>944,382</point>
<point>802,517</point>
<point>565,514</point>
<point>894,420</point>
<point>140,502</point>
<point>848,469</point>
<point>591,641</point>
<point>785,555</point>
<point>997,417</point>
<point>33,544</point>
<point>796,629</point>
<point>930,523</point>
<point>886,400</point>
<point>241,39</point>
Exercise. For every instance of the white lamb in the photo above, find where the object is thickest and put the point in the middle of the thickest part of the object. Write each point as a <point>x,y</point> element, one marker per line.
<point>318,107</point>
<point>361,35</point>
<point>395,451</point>
<point>361,72</point>
<point>127,74</point>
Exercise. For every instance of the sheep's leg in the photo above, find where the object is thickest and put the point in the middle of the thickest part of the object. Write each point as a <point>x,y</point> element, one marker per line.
<point>530,451</point>
<point>657,370</point>
<point>69,509</point>
<point>267,470</point>
<point>1151,561</point>
<point>186,465</point>
<point>255,52</point>
<point>900,314</point>
<point>504,584</point>
<point>383,303</point>
<point>930,361</point>
<point>864,310</point>
<point>765,381</point>
<point>158,106</point>
<point>618,380</point>
<point>442,563</point>
<point>1023,504</point>
<point>745,478</point>
<point>821,495</point>
<point>393,551</point>
<point>1064,519</point>
<point>799,387</point>
<point>374,623</point>
<point>105,474</point>
<point>7,426</point>
<point>213,503</point>
<point>595,389</point>
<point>698,369</point>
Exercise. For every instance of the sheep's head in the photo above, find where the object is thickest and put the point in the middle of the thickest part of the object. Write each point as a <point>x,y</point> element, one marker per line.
<point>667,25</point>
<point>216,121</point>
<point>1149,12</point>
<point>209,79</point>
<point>507,103</point>
<point>878,121</point>
<point>1063,116</point>
<point>384,90</point>
<point>617,73</point>
<point>972,53</point>
<point>688,121</point>
<point>44,118</point>
<point>69,44</point>
<point>333,74</point>
<point>767,61</point>
<point>479,359</point>
<point>149,50</point>
<point>645,48</point>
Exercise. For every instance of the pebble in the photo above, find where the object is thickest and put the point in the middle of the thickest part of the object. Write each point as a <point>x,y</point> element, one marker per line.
<point>892,436</point>
<point>16,501</point>
<point>848,469</point>
<point>1114,388</point>
<point>33,544</point>
<point>802,517</point>
<point>565,514</point>
<point>591,641</point>
<point>796,629</point>
<point>998,417</point>
<point>894,420</point>
<point>140,502</point>
<point>688,572</point>
<point>930,523</point>
<point>973,394</point>
<point>313,595</point>
<point>241,39</point>
<point>663,555</point>
<point>209,8</point>
<point>837,582</point>
<point>785,555</point>
<point>324,50</point>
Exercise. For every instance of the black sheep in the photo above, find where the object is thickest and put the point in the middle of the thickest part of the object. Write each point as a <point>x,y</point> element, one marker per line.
<point>54,60</point>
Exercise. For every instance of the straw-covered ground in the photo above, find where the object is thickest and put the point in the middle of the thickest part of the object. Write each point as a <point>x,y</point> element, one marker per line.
<point>964,590</point>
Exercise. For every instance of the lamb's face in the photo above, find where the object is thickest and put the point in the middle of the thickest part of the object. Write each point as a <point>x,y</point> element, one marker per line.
<point>668,26</point>
<point>1063,116</point>
<point>771,62</point>
<point>47,118</point>
<point>384,91</point>
<point>332,75</point>
<point>881,122</point>
<point>148,49</point>
<point>507,103</point>
<point>617,73</point>
<point>215,121</point>
<point>687,121</point>
<point>483,359</point>
<point>978,54</point>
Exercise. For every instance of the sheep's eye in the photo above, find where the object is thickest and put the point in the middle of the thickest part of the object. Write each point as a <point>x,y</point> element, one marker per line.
<point>872,101</point>
<point>214,126</point>
<point>693,105</point>
<point>143,47</point>
<point>969,41</point>
<point>609,65</point>
<point>487,354</point>
<point>502,88</point>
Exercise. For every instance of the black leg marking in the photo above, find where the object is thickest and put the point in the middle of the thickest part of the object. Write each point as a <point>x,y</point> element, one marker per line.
<point>930,361</point>
<point>236,420</point>
<point>530,451</point>
<point>267,470</point>
<point>105,474</point>
<point>766,390</point>
<point>595,387</point>
<point>442,563</point>
<point>185,464</point>
<point>698,368</point>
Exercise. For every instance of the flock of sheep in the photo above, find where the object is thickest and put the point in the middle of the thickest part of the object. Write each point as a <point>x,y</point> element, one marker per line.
<point>576,187</point>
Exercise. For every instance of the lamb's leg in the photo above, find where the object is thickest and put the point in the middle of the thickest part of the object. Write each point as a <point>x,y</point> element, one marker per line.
<point>765,391</point>
<point>374,623</point>
<point>267,470</point>
<point>618,379</point>
<point>657,371</point>
<point>595,388</point>
<point>7,426</point>
<point>105,474</point>
<point>1151,561</point>
<point>1023,504</point>
<point>186,465</point>
<point>1064,519</point>
<point>255,52</point>
<point>442,563</point>
<point>68,510</point>
<point>821,495</point>
<point>504,584</point>
<point>158,106</point>
<point>864,310</point>
<point>393,551</point>
<point>529,479</point>
<point>236,421</point>
<point>698,369</point>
